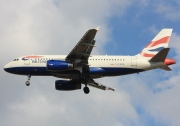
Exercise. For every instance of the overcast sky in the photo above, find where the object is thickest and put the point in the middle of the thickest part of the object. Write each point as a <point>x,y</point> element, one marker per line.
<point>54,27</point>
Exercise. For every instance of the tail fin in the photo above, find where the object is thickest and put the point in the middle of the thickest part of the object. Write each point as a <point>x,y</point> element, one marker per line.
<point>159,42</point>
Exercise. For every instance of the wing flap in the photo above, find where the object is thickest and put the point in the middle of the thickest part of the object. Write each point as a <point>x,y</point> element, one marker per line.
<point>98,85</point>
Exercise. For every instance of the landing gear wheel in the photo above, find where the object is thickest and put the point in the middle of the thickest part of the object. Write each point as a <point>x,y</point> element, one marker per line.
<point>28,80</point>
<point>27,83</point>
<point>86,90</point>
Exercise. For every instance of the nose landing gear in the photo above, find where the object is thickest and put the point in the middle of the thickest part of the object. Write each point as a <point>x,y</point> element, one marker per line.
<point>28,80</point>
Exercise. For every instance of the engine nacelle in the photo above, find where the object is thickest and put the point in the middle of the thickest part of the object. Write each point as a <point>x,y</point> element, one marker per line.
<point>67,85</point>
<point>56,65</point>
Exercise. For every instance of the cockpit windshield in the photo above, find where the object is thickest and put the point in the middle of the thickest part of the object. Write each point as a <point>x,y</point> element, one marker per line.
<point>15,59</point>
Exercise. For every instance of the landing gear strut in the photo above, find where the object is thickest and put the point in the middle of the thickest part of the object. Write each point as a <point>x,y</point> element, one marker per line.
<point>86,90</point>
<point>28,80</point>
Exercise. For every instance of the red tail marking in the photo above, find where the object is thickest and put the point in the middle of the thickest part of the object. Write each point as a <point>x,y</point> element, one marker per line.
<point>160,41</point>
<point>147,55</point>
<point>149,44</point>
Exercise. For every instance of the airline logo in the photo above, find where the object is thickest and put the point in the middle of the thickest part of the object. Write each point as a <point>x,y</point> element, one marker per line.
<point>157,44</point>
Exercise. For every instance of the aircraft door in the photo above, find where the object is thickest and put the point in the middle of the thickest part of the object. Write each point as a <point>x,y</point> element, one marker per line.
<point>133,61</point>
<point>27,61</point>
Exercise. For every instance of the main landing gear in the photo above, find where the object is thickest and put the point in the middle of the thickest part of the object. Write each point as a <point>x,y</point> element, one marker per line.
<point>28,80</point>
<point>86,90</point>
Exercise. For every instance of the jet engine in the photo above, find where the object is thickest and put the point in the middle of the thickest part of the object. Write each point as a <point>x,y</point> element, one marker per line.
<point>57,65</point>
<point>67,85</point>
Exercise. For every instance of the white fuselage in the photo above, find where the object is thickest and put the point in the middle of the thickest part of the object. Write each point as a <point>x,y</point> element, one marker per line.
<point>99,66</point>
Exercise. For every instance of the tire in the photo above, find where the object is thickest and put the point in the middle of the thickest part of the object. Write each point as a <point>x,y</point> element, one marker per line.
<point>27,83</point>
<point>86,90</point>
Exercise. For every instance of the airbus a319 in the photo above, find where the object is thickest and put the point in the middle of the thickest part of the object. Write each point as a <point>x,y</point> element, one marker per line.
<point>80,67</point>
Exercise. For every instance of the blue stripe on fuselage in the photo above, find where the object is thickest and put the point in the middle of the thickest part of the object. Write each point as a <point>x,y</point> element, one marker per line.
<point>120,71</point>
<point>104,71</point>
<point>28,70</point>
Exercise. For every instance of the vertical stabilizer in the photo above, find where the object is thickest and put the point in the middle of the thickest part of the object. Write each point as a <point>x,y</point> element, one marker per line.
<point>159,42</point>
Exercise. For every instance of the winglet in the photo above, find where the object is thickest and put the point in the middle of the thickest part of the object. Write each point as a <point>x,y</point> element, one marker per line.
<point>97,28</point>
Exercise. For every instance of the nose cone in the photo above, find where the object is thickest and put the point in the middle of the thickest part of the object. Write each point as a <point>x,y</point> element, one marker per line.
<point>6,67</point>
<point>169,61</point>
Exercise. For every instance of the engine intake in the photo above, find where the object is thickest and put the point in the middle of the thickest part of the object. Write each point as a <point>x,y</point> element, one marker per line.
<point>67,85</point>
<point>55,65</point>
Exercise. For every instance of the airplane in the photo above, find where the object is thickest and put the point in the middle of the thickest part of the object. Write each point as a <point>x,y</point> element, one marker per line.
<point>80,67</point>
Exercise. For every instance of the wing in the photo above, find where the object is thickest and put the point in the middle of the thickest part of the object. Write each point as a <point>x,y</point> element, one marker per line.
<point>82,50</point>
<point>92,83</point>
<point>80,54</point>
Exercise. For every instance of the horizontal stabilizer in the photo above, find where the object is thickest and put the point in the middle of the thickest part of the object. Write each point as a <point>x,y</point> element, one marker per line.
<point>160,56</point>
<point>165,67</point>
